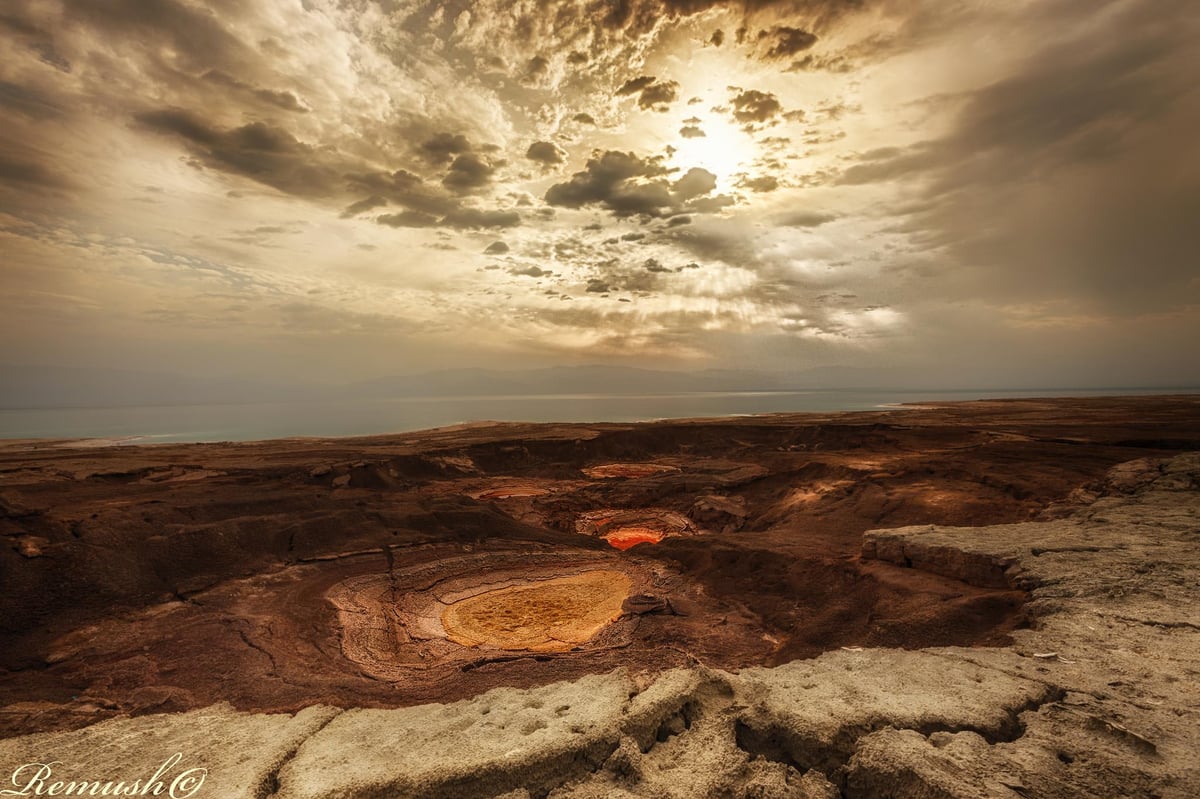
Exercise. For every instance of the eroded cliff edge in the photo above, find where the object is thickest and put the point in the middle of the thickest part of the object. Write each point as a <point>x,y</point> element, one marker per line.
<point>1099,697</point>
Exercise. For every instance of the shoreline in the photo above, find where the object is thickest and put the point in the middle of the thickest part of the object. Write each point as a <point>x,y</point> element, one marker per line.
<point>136,440</point>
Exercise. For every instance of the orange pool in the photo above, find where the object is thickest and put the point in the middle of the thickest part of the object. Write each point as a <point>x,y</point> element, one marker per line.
<point>625,537</point>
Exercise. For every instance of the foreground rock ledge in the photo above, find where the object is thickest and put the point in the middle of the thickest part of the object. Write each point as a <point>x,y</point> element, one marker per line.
<point>1099,698</point>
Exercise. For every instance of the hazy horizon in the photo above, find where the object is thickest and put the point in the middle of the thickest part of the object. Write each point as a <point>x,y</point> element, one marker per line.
<point>952,194</point>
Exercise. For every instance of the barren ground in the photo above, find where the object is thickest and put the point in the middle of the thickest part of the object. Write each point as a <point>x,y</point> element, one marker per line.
<point>392,571</point>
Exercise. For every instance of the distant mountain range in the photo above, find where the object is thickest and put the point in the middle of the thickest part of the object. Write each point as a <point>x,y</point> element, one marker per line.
<point>63,387</point>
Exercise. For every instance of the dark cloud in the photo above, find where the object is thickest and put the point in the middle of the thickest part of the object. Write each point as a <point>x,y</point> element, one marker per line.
<point>659,96</point>
<point>691,132</point>
<point>640,199</point>
<point>365,204</point>
<point>711,205</point>
<point>408,219</point>
<point>472,218</point>
<point>695,182</point>
<point>37,39</point>
<point>717,38</point>
<point>635,85</point>
<point>529,270</point>
<point>752,106</point>
<point>28,102</point>
<point>805,219</point>
<point>280,99</point>
<point>584,118</point>
<point>628,185</point>
<point>496,248</point>
<point>30,174</point>
<point>535,68</point>
<point>193,36</point>
<point>812,62</point>
<point>405,189</point>
<point>546,153</point>
<point>468,171</point>
<point>785,41</point>
<point>1075,177</point>
<point>760,183</point>
<point>610,180</point>
<point>259,151</point>
<point>652,94</point>
<point>442,148</point>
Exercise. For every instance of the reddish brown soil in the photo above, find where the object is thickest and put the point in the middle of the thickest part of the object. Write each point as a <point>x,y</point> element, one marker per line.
<point>141,579</point>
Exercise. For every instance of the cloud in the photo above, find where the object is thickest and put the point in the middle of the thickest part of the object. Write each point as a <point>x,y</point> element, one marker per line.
<point>760,184</point>
<point>786,41</point>
<point>471,218</point>
<point>752,106</point>
<point>1051,185</point>
<point>195,35</point>
<point>468,171</point>
<point>628,185</point>
<point>31,174</point>
<point>694,183</point>
<point>529,270</point>
<point>610,180</point>
<point>1071,177</point>
<point>408,219</point>
<point>365,204</point>
<point>545,153</point>
<point>652,93</point>
<point>822,63</point>
<point>805,219</point>
<point>258,150</point>
<point>443,147</point>
<point>635,85</point>
<point>659,96</point>
<point>278,98</point>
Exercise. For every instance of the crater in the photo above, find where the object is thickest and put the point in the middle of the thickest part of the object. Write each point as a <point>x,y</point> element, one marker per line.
<point>614,470</point>
<point>550,615</point>
<point>624,528</point>
<point>476,608</point>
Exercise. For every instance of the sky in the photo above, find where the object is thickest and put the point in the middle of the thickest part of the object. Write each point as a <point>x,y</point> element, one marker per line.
<point>1001,194</point>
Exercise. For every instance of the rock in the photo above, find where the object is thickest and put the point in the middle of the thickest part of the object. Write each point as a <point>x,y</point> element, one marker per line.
<point>31,546</point>
<point>726,514</point>
<point>220,752</point>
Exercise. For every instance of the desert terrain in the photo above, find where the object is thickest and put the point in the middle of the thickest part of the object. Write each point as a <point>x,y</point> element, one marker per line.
<point>943,600</point>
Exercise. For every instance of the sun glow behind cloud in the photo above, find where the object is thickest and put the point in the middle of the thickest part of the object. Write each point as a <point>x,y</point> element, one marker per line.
<point>443,181</point>
<point>724,149</point>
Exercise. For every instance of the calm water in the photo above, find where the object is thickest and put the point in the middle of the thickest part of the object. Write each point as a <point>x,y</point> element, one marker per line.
<point>249,422</point>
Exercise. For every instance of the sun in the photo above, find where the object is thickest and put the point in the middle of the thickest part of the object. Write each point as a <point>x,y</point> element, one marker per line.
<point>724,148</point>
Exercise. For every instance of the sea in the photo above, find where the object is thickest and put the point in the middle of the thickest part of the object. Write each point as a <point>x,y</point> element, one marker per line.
<point>357,417</point>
